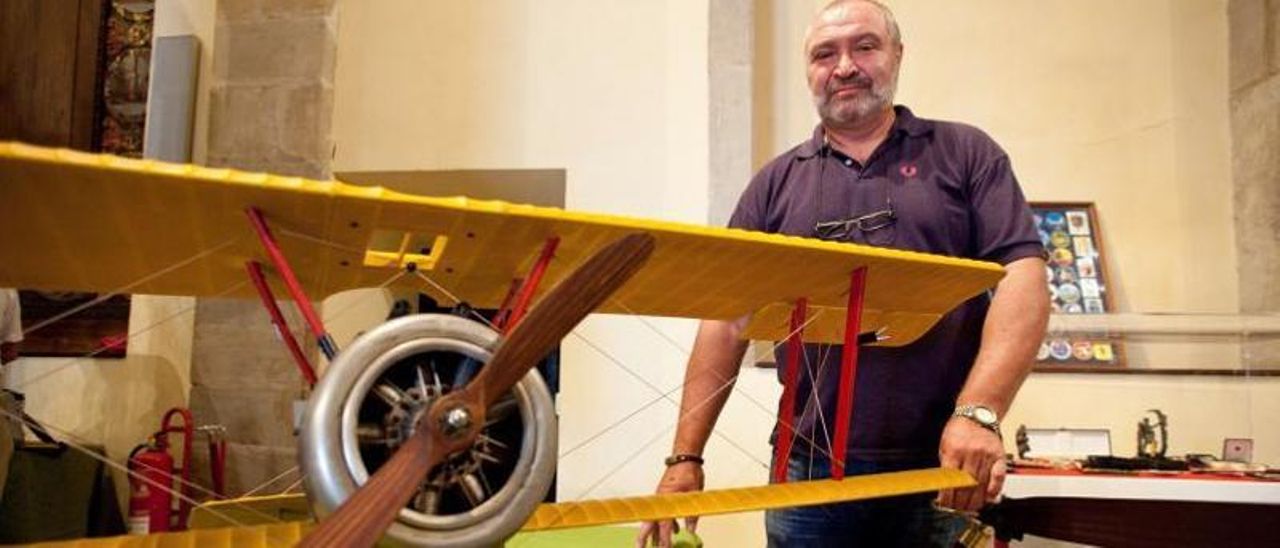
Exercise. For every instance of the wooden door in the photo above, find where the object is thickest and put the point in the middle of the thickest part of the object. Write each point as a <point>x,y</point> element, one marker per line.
<point>49,58</point>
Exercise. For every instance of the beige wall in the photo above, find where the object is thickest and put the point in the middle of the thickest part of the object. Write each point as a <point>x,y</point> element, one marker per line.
<point>613,92</point>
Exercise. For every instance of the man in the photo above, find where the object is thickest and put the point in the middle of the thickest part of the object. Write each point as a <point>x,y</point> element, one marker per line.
<point>876,174</point>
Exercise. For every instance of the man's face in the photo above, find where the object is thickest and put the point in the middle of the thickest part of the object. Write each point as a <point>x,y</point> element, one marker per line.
<point>853,63</point>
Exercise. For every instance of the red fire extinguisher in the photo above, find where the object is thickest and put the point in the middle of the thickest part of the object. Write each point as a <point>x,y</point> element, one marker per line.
<point>151,480</point>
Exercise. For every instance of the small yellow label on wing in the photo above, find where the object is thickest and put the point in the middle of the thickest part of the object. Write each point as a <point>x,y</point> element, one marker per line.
<point>745,499</point>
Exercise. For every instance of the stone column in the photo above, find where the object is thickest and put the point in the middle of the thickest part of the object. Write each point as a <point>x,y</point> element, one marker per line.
<point>729,58</point>
<point>271,106</point>
<point>1255,153</point>
<point>271,99</point>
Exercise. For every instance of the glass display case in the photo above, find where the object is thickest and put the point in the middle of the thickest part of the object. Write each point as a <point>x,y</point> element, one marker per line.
<point>1191,412</point>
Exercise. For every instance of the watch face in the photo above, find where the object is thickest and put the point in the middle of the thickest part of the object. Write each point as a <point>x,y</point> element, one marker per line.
<point>984,415</point>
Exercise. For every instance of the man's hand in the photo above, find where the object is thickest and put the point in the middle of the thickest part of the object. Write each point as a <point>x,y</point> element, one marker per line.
<point>967,446</point>
<point>679,478</point>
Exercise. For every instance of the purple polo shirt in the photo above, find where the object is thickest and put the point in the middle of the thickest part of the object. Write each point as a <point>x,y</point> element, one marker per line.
<point>952,192</point>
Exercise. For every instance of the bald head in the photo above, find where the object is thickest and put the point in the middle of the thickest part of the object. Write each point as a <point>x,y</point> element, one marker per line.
<point>838,10</point>
<point>853,50</point>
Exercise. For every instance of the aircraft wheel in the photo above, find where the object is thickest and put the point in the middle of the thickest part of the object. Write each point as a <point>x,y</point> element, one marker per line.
<point>368,401</point>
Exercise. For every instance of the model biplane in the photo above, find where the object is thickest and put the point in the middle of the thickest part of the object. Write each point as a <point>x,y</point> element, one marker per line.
<point>71,220</point>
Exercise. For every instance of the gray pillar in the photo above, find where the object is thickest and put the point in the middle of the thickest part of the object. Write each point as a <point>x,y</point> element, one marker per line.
<point>730,52</point>
<point>1255,153</point>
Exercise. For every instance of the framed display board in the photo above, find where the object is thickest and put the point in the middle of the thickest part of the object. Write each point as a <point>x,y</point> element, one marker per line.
<point>79,328</point>
<point>1078,284</point>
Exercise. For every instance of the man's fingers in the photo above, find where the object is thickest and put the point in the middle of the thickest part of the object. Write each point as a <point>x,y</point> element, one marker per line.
<point>648,535</point>
<point>666,528</point>
<point>971,499</point>
<point>656,533</point>
<point>996,484</point>
<point>647,530</point>
<point>947,497</point>
<point>959,499</point>
<point>964,496</point>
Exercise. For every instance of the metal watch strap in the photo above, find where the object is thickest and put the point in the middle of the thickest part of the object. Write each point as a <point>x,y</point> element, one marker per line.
<point>683,457</point>
<point>969,411</point>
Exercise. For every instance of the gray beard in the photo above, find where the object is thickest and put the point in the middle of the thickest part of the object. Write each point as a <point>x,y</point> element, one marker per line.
<point>859,109</point>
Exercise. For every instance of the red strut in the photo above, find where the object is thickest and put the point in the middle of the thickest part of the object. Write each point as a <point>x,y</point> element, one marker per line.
<point>530,284</point>
<point>291,283</point>
<point>848,371</point>
<point>277,320</point>
<point>786,430</point>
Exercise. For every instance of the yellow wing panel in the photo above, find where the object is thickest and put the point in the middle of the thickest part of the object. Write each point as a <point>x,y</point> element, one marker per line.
<point>746,499</point>
<point>71,220</point>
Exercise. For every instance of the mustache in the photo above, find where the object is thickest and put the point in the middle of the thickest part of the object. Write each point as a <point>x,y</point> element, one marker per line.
<point>857,80</point>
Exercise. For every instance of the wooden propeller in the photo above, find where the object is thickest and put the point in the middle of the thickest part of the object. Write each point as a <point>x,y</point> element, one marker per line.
<point>451,424</point>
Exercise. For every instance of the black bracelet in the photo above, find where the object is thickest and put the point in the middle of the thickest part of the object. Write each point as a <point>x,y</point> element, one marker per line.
<point>683,457</point>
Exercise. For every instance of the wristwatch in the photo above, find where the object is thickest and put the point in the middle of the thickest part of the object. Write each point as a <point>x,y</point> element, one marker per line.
<point>683,457</point>
<point>981,414</point>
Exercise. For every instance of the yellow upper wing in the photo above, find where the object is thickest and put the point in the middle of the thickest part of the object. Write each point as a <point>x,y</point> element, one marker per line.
<point>71,220</point>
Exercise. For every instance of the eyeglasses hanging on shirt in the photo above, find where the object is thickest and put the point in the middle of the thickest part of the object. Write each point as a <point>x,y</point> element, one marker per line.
<point>867,223</point>
<point>873,228</point>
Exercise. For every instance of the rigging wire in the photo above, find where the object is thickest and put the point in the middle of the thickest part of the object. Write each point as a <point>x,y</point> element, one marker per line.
<point>27,382</point>
<point>73,441</point>
<point>131,285</point>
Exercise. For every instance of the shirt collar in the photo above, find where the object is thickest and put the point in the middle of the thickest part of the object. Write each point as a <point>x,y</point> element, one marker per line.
<point>905,122</point>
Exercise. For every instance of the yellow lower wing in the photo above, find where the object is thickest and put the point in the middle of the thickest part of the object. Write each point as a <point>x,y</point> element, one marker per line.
<point>547,516</point>
<point>744,499</point>
<point>276,534</point>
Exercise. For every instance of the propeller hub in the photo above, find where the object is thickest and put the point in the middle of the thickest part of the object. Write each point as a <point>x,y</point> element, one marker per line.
<point>455,422</point>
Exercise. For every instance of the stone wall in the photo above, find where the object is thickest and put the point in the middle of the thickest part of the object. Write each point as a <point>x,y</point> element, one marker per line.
<point>272,95</point>
<point>1255,151</point>
<point>271,105</point>
<point>243,379</point>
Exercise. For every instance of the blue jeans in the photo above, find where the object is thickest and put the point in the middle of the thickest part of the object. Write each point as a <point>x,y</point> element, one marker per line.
<point>909,520</point>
